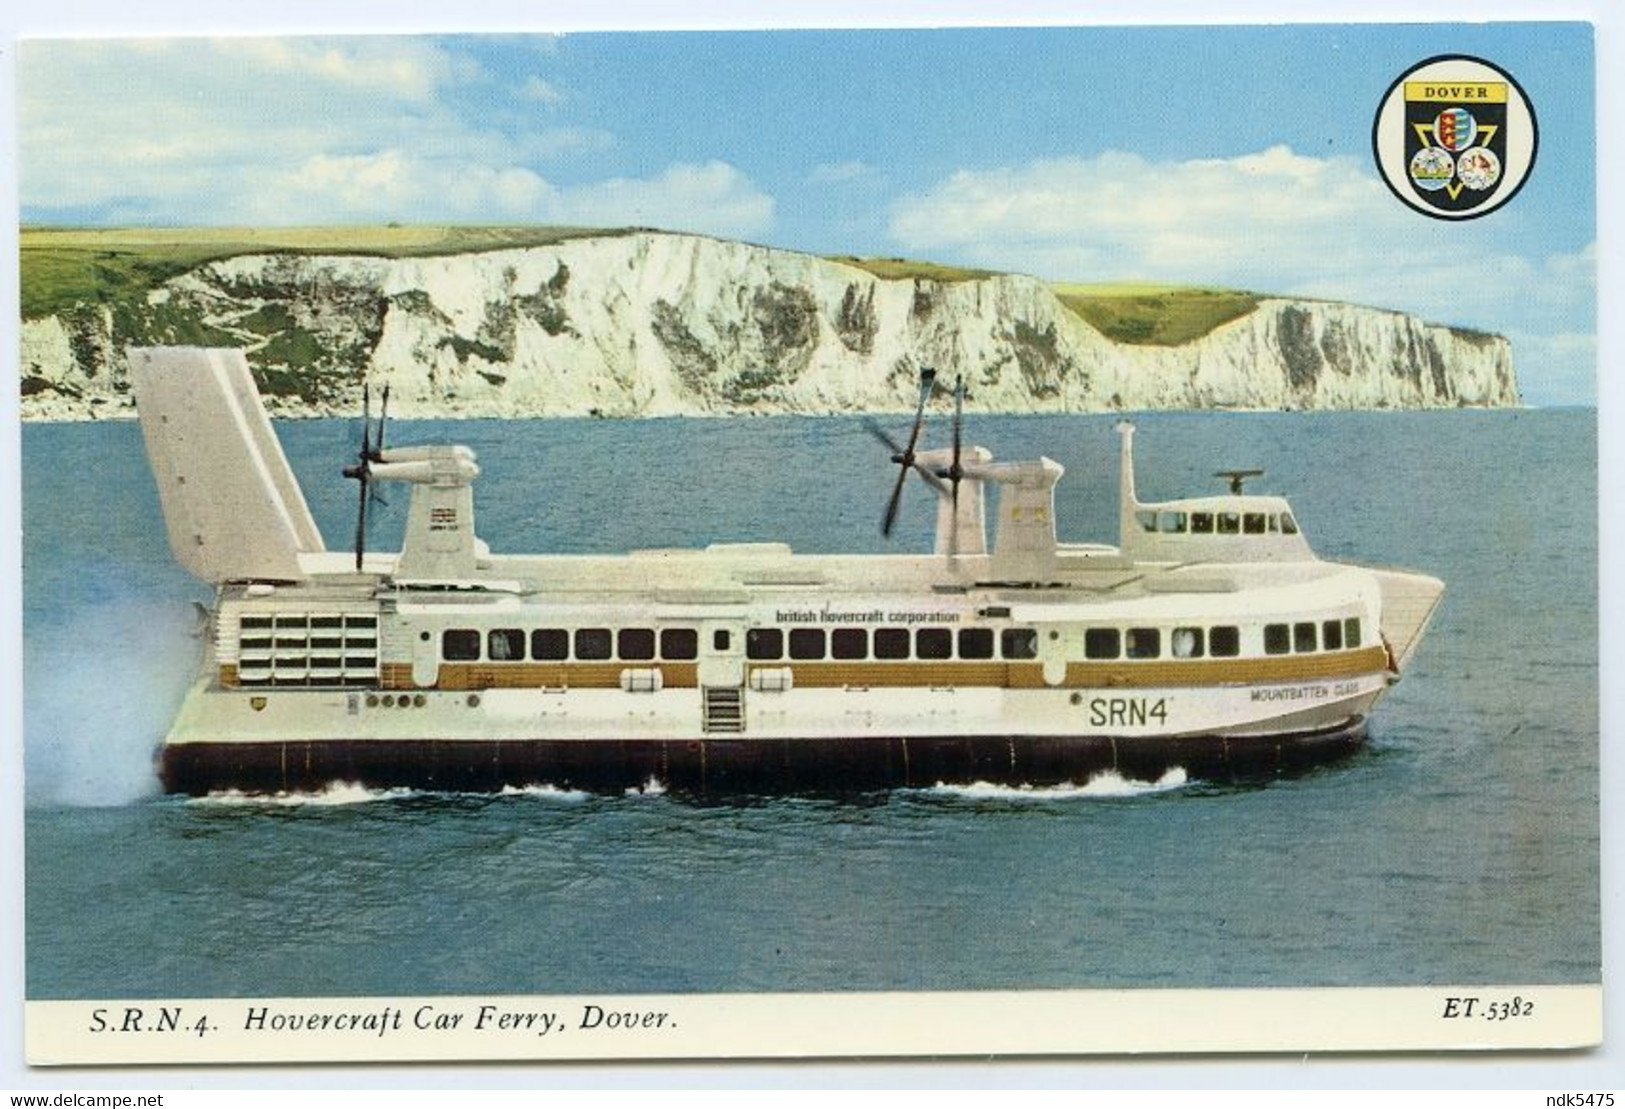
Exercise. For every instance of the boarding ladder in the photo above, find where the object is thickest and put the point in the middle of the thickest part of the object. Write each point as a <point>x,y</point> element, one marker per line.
<point>724,709</point>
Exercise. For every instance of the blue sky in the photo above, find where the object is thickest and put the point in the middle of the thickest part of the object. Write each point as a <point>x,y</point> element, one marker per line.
<point>1232,156</point>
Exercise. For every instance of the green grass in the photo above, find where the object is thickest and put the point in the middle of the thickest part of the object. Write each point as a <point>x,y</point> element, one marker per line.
<point>64,266</point>
<point>1155,315</point>
<point>904,269</point>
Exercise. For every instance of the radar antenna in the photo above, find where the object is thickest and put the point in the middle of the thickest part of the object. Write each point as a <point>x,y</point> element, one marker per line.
<point>1237,478</point>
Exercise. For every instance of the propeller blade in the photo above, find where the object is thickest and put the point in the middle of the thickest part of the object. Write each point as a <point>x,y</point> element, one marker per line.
<point>383,414</point>
<point>959,425</point>
<point>879,433</point>
<point>361,523</point>
<point>896,499</point>
<point>928,378</point>
<point>931,477</point>
<point>366,420</point>
<point>956,471</point>
<point>904,456</point>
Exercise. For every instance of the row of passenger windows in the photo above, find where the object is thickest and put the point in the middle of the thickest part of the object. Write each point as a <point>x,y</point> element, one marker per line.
<point>889,643</point>
<point>589,644</point>
<point>1333,635</point>
<point>1219,523</point>
<point>931,644</point>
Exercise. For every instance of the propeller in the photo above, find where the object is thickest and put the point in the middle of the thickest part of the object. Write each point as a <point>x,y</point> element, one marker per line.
<point>369,453</point>
<point>904,456</point>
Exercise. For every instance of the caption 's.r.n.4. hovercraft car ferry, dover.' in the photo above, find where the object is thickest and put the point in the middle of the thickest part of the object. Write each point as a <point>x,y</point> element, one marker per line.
<point>1210,638</point>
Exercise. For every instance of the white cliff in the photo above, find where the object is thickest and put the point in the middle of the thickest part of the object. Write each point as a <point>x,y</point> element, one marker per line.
<point>651,324</point>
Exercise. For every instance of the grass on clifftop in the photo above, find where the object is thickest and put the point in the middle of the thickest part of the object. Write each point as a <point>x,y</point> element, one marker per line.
<point>62,266</point>
<point>1155,315</point>
<point>905,269</point>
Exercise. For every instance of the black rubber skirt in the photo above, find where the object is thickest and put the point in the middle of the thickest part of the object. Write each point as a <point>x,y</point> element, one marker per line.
<point>721,765</point>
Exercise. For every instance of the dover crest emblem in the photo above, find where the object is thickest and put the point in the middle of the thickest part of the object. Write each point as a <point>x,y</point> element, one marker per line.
<point>1455,137</point>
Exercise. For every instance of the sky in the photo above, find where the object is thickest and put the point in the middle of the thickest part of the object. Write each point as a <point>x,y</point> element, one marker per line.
<point>1237,156</point>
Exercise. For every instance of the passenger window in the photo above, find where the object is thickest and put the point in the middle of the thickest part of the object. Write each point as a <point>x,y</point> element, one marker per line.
<point>1148,520</point>
<point>1288,524</point>
<point>1277,639</point>
<point>891,643</point>
<point>1102,643</point>
<point>1253,523</point>
<point>1229,523</point>
<point>550,644</point>
<point>504,644</point>
<point>1303,637</point>
<point>1351,631</point>
<point>1144,643</point>
<point>1174,522</point>
<point>635,644</point>
<point>460,645</point>
<point>1224,642</point>
<point>933,643</point>
<point>849,643</point>
<point>764,643</point>
<point>1201,523</point>
<point>592,643</point>
<point>1018,643</point>
<point>1186,643</point>
<point>806,643</point>
<point>1331,635</point>
<point>679,644</point>
<point>975,642</point>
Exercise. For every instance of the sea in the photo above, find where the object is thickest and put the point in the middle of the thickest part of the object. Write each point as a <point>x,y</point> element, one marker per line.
<point>1460,846</point>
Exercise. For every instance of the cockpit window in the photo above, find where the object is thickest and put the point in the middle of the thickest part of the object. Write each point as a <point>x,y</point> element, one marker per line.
<point>1253,523</point>
<point>1201,523</point>
<point>1288,524</point>
<point>1229,523</point>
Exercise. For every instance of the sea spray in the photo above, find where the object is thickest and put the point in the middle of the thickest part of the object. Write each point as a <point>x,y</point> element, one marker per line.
<point>1107,783</point>
<point>104,686</point>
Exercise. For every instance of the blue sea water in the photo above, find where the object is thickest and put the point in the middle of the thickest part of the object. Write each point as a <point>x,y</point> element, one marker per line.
<point>1461,846</point>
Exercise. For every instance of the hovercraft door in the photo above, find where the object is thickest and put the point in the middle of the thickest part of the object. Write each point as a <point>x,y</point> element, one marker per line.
<point>722,676</point>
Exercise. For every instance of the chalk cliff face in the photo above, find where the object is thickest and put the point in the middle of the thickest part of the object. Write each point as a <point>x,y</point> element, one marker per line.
<point>655,324</point>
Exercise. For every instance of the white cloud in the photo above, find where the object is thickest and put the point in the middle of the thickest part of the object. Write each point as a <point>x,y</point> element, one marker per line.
<point>838,172</point>
<point>184,129</point>
<point>406,69</point>
<point>299,131</point>
<point>1271,221</point>
<point>1120,215</point>
<point>715,198</point>
<point>539,91</point>
<point>373,186</point>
